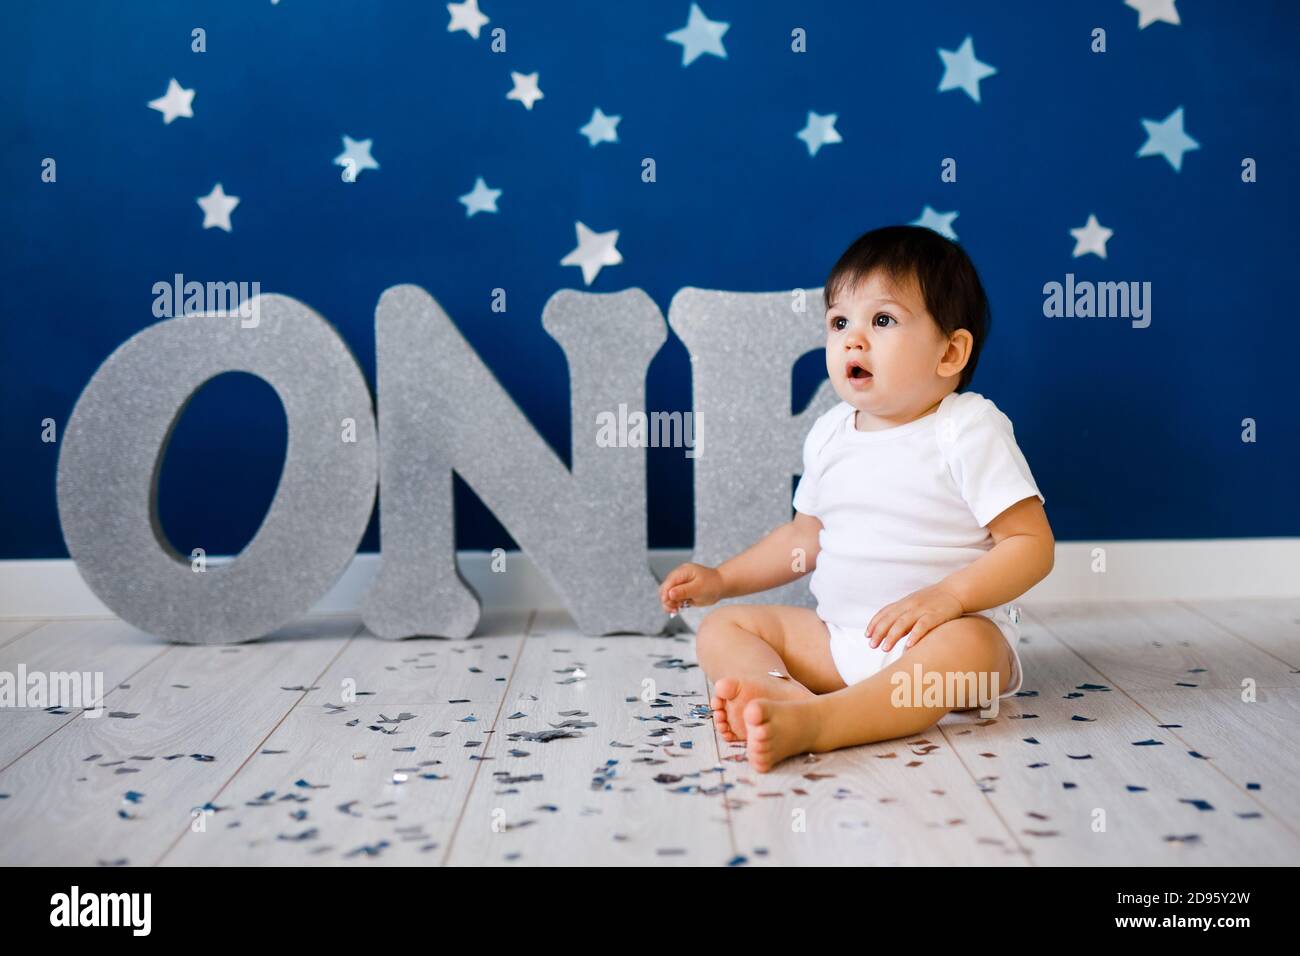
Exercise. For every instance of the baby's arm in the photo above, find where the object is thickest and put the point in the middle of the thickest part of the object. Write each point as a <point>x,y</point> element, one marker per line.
<point>770,563</point>
<point>1023,553</point>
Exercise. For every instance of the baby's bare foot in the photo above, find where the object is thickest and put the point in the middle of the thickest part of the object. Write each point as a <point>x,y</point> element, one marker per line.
<point>731,695</point>
<point>776,729</point>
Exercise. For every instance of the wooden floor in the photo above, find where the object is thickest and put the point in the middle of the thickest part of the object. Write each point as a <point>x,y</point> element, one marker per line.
<point>1131,744</point>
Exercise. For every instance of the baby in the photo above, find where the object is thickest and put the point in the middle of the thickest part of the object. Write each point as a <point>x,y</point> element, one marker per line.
<point>916,514</point>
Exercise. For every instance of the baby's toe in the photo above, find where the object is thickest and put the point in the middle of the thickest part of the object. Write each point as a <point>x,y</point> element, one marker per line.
<point>759,757</point>
<point>727,688</point>
<point>757,713</point>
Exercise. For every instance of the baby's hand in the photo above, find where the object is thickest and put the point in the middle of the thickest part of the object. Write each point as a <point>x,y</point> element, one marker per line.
<point>920,612</point>
<point>689,584</point>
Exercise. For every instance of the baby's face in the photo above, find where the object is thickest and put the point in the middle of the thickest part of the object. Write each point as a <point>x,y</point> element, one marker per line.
<point>883,349</point>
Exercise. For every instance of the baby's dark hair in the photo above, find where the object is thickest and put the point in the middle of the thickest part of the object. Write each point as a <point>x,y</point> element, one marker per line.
<point>949,284</point>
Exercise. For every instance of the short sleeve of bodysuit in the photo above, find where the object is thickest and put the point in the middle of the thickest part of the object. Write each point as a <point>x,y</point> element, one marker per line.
<point>805,493</point>
<point>986,463</point>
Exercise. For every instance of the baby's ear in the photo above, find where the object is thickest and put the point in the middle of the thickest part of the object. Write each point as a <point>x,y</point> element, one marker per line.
<point>957,353</point>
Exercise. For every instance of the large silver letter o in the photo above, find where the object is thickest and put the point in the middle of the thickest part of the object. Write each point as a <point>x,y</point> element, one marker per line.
<point>113,449</point>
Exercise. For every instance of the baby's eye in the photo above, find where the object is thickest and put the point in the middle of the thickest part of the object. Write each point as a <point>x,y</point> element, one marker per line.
<point>839,323</point>
<point>883,325</point>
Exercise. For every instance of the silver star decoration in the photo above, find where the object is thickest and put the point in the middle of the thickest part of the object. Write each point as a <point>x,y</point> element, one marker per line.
<point>1151,11</point>
<point>480,198</point>
<point>217,207</point>
<point>595,251</point>
<point>818,131</point>
<point>466,16</point>
<point>940,222</point>
<point>1091,238</point>
<point>175,102</point>
<point>525,89</point>
<point>355,157</point>
<point>1166,138</point>
<point>601,128</point>
<point>961,71</point>
<point>700,35</point>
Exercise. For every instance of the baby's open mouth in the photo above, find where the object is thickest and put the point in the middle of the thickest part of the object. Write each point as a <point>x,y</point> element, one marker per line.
<point>857,371</point>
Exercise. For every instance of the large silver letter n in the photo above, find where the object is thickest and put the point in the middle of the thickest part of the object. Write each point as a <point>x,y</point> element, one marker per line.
<point>442,410</point>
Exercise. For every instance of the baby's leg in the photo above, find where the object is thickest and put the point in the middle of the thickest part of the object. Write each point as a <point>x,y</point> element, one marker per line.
<point>740,644</point>
<point>866,712</point>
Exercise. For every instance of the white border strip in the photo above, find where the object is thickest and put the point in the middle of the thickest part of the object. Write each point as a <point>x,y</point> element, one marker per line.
<point>1135,571</point>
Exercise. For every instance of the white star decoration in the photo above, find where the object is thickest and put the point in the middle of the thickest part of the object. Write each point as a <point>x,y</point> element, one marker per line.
<point>1149,11</point>
<point>355,157</point>
<point>940,222</point>
<point>601,128</point>
<point>1166,138</point>
<point>217,207</point>
<point>466,16</point>
<point>1091,238</point>
<point>480,198</point>
<point>595,250</point>
<point>700,35</point>
<point>175,102</point>
<point>525,89</point>
<point>961,71</point>
<point>818,131</point>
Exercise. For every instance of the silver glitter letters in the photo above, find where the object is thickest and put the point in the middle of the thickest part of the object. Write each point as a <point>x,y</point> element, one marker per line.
<point>113,449</point>
<point>441,409</point>
<point>743,346</point>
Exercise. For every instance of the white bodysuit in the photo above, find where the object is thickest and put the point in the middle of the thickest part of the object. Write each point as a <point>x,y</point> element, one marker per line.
<point>901,509</point>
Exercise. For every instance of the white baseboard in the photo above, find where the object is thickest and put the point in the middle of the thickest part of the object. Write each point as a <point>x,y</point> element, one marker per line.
<point>1135,571</point>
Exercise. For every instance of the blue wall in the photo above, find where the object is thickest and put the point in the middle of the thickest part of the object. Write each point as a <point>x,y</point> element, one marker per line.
<point>1132,433</point>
